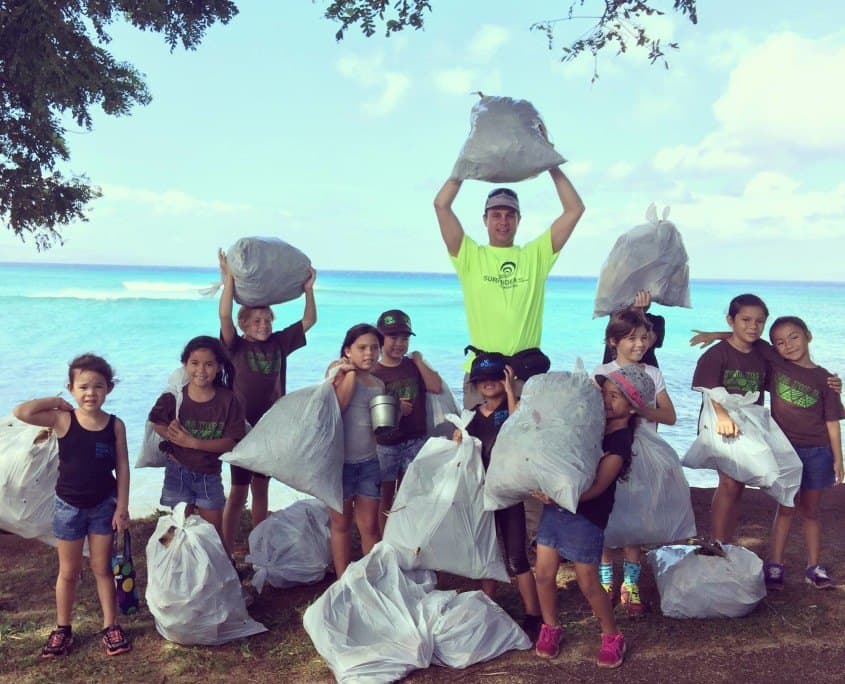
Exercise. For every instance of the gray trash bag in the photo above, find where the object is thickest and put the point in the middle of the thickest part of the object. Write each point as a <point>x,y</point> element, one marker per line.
<point>266,271</point>
<point>505,143</point>
<point>649,257</point>
<point>551,443</point>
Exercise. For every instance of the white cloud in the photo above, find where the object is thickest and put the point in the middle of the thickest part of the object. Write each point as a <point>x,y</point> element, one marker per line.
<point>370,72</point>
<point>620,171</point>
<point>456,81</point>
<point>169,201</point>
<point>486,42</point>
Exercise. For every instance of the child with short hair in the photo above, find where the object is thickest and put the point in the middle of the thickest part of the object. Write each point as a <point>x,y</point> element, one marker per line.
<point>407,377</point>
<point>579,536</point>
<point>355,385</point>
<point>259,356</point>
<point>210,423</point>
<point>91,502</point>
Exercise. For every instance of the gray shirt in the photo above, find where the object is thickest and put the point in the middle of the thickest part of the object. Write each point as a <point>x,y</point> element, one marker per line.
<point>359,440</point>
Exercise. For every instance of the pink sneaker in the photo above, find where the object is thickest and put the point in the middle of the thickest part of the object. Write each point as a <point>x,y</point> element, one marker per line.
<point>612,651</point>
<point>548,643</point>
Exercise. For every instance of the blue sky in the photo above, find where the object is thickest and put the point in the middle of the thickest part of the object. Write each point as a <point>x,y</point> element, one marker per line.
<point>273,128</point>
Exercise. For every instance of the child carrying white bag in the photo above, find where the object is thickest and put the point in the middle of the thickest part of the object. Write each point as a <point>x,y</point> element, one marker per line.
<point>151,456</point>
<point>193,591</point>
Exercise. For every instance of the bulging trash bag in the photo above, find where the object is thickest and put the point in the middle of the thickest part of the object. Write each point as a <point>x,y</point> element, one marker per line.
<point>299,441</point>
<point>193,591</point>
<point>266,271</point>
<point>506,143</point>
<point>652,504</point>
<point>291,546</point>
<point>649,257</point>
<point>551,443</point>
<point>151,455</point>
<point>473,629</point>
<point>693,585</point>
<point>29,469</point>
<point>438,521</point>
<point>437,407</point>
<point>761,456</point>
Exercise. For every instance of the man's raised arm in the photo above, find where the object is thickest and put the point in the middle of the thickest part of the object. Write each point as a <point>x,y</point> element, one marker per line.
<point>573,208</point>
<point>450,227</point>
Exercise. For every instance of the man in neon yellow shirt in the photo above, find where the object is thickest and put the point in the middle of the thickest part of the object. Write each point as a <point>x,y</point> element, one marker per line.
<point>504,285</point>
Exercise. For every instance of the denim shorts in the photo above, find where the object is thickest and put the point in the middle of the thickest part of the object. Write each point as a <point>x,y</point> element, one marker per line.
<point>818,467</point>
<point>394,459</point>
<point>71,523</point>
<point>573,536</point>
<point>201,489</point>
<point>362,479</point>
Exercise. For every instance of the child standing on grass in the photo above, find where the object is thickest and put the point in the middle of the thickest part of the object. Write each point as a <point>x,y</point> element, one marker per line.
<point>91,501</point>
<point>492,379</point>
<point>210,423</point>
<point>628,335</point>
<point>579,536</point>
<point>407,378</point>
<point>259,357</point>
<point>355,385</point>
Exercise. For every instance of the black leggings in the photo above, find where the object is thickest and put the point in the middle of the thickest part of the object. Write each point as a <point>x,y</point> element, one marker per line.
<point>510,527</point>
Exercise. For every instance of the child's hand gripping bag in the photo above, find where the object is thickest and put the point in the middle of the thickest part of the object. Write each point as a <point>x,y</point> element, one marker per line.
<point>151,454</point>
<point>123,568</point>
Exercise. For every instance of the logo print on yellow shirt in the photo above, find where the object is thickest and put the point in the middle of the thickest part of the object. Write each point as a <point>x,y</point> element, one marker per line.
<point>794,392</point>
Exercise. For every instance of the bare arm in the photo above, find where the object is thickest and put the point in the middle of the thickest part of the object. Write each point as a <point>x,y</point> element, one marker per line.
<point>309,315</point>
<point>606,473</point>
<point>835,433</point>
<point>178,435</point>
<point>450,227</point>
<point>573,209</point>
<point>664,412</point>
<point>431,378</point>
<point>49,412</point>
<point>121,514</point>
<point>227,296</point>
<point>344,383</point>
<point>513,400</point>
<point>725,424</point>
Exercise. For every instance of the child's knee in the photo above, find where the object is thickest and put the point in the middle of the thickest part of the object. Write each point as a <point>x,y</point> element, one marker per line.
<point>786,511</point>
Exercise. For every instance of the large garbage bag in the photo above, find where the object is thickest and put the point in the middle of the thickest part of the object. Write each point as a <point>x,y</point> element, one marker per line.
<point>652,504</point>
<point>193,591</point>
<point>693,585</point>
<point>437,407</point>
<point>151,455</point>
<point>506,143</point>
<point>29,469</point>
<point>551,443</point>
<point>299,441</point>
<point>761,456</point>
<point>649,257</point>
<point>291,546</point>
<point>438,521</point>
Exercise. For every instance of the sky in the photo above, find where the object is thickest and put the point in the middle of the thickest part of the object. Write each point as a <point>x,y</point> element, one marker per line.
<point>271,127</point>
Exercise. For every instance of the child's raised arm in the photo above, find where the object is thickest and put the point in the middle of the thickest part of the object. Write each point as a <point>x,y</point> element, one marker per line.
<point>431,378</point>
<point>227,296</point>
<point>49,412</point>
<point>309,315</point>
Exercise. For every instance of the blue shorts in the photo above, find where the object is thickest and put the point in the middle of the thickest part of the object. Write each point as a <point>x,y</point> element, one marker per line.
<point>394,459</point>
<point>201,489</point>
<point>362,479</point>
<point>71,523</point>
<point>818,467</point>
<point>573,536</point>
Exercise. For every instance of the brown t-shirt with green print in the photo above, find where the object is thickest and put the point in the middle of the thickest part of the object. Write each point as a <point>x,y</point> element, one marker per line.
<point>738,372</point>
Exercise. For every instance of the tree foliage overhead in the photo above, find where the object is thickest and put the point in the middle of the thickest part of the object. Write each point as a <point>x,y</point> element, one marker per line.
<point>54,65</point>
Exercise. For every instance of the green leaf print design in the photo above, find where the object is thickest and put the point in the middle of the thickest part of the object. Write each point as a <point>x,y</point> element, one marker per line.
<point>794,392</point>
<point>738,381</point>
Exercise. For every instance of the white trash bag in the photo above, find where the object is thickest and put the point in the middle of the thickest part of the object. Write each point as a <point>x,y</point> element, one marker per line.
<point>299,441</point>
<point>437,407</point>
<point>150,455</point>
<point>291,546</point>
<point>551,443</point>
<point>693,585</point>
<point>652,504</point>
<point>438,521</point>
<point>29,469</point>
<point>193,591</point>
<point>506,143</point>
<point>649,257</point>
<point>265,270</point>
<point>761,456</point>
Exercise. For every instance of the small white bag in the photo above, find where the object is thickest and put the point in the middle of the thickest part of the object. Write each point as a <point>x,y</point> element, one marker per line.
<point>551,443</point>
<point>437,407</point>
<point>761,456</point>
<point>692,585</point>
<point>29,469</point>
<point>291,546</point>
<point>193,591</point>
<point>438,521</point>
<point>652,504</point>
<point>299,441</point>
<point>151,456</point>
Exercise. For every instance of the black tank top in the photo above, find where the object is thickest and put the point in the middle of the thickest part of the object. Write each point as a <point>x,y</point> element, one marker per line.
<point>86,465</point>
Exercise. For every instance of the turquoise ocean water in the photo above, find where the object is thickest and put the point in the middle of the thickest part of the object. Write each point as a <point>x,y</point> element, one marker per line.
<point>140,318</point>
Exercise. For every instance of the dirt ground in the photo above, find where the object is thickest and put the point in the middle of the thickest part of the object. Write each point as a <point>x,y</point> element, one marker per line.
<point>793,635</point>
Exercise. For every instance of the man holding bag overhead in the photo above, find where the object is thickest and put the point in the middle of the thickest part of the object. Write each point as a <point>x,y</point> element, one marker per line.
<point>504,284</point>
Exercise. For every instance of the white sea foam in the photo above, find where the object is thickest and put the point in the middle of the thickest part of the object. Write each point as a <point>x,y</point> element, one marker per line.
<point>130,289</point>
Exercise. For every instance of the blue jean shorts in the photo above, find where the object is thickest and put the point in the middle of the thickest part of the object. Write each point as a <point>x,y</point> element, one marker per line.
<point>818,467</point>
<point>71,523</point>
<point>201,489</point>
<point>394,459</point>
<point>573,536</point>
<point>362,479</point>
